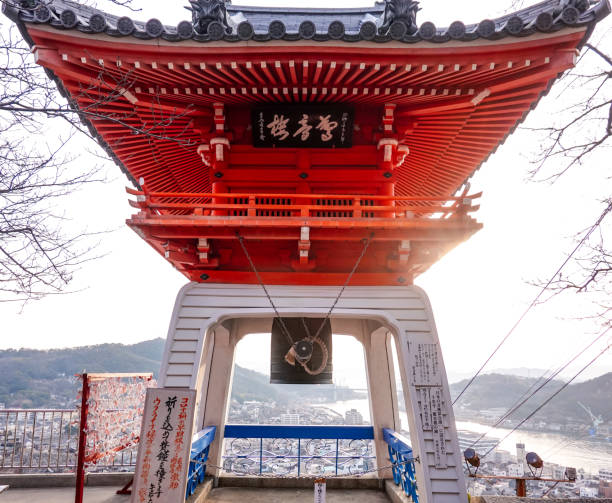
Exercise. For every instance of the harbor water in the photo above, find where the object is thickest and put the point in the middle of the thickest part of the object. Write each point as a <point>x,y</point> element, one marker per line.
<point>552,447</point>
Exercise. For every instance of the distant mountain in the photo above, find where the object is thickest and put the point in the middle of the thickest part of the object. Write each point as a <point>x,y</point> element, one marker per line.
<point>497,391</point>
<point>45,379</point>
<point>35,378</point>
<point>519,371</point>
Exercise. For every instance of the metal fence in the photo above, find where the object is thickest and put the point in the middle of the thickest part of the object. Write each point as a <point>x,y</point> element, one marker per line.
<point>279,451</point>
<point>46,440</point>
<point>401,455</point>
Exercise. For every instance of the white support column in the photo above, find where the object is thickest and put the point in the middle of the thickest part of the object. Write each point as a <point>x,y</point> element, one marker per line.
<point>200,355</point>
<point>439,470</point>
<point>217,384</point>
<point>382,391</point>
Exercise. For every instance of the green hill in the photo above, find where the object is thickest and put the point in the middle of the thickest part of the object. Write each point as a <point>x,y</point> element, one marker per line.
<point>496,391</point>
<point>34,378</point>
<point>45,379</point>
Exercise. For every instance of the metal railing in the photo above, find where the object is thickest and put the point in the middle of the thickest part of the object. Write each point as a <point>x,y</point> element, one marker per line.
<point>302,205</point>
<point>36,440</point>
<point>282,451</point>
<point>400,454</point>
<point>200,446</point>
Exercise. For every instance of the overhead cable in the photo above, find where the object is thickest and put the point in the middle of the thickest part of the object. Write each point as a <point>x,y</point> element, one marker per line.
<point>537,298</point>
<point>522,402</point>
<point>548,400</point>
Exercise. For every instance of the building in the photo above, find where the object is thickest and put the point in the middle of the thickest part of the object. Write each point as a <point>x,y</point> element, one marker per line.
<point>605,474</point>
<point>482,445</point>
<point>353,417</point>
<point>521,457</point>
<point>589,492</point>
<point>515,470</point>
<point>277,155</point>
<point>290,419</point>
<point>605,489</point>
<point>502,457</point>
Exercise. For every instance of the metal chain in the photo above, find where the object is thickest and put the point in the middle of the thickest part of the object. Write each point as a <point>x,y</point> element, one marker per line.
<point>366,244</point>
<point>280,319</point>
<point>313,477</point>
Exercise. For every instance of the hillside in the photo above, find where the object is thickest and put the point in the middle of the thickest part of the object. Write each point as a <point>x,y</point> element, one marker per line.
<point>34,378</point>
<point>493,391</point>
<point>45,379</point>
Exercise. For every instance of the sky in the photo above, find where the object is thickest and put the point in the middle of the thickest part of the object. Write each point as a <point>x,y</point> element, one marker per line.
<point>477,291</point>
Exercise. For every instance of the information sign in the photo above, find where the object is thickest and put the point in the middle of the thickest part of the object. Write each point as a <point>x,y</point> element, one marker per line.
<point>303,126</point>
<point>439,438</point>
<point>165,446</point>
<point>425,364</point>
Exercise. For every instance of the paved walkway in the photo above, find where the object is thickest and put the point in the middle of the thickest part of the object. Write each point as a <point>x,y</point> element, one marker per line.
<point>221,495</point>
<point>241,495</point>
<point>62,495</point>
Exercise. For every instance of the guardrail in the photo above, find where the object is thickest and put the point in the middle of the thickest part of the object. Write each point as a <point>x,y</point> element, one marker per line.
<point>301,205</point>
<point>278,451</point>
<point>200,447</point>
<point>400,454</point>
<point>38,439</point>
<point>35,440</point>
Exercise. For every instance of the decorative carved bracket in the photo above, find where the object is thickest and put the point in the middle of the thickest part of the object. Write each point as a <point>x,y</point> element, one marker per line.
<point>399,18</point>
<point>207,12</point>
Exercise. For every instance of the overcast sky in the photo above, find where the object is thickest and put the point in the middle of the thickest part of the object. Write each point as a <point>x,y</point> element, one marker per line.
<point>477,291</point>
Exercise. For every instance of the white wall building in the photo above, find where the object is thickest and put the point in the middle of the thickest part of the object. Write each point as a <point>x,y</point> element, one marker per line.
<point>605,474</point>
<point>589,492</point>
<point>353,417</point>
<point>502,457</point>
<point>290,419</point>
<point>515,470</point>
<point>520,457</point>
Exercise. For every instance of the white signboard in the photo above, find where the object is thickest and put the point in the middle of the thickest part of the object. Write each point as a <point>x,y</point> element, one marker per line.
<point>425,364</point>
<point>165,445</point>
<point>437,416</point>
<point>424,401</point>
<point>320,488</point>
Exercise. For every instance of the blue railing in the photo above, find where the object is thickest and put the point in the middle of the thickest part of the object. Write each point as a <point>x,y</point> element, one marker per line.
<point>200,446</point>
<point>261,450</point>
<point>400,454</point>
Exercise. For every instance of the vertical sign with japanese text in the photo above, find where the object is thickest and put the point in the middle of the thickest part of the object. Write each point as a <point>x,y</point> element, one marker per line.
<point>303,126</point>
<point>165,446</point>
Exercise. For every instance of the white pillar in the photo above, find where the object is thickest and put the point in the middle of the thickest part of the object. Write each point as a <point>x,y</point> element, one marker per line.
<point>433,434</point>
<point>196,359</point>
<point>217,388</point>
<point>382,391</point>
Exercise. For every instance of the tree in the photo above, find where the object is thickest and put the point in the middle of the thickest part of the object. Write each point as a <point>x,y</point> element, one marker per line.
<point>581,130</point>
<point>38,254</point>
<point>573,141</point>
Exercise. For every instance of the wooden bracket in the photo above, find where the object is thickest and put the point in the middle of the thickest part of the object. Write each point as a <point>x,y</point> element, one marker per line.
<point>305,263</point>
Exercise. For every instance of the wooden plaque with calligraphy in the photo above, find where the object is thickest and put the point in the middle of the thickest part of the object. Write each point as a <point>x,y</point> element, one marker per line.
<point>303,126</point>
<point>165,446</point>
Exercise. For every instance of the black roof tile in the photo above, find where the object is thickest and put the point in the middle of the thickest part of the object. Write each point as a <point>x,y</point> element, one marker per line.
<point>547,16</point>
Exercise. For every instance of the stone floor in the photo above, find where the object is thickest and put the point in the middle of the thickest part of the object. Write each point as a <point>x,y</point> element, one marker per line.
<point>221,495</point>
<point>62,495</point>
<point>237,494</point>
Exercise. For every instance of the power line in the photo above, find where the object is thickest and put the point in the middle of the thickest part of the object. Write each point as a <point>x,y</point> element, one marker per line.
<point>548,400</point>
<point>522,402</point>
<point>537,298</point>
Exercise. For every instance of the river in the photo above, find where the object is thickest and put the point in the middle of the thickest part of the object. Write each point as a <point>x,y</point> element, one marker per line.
<point>552,447</point>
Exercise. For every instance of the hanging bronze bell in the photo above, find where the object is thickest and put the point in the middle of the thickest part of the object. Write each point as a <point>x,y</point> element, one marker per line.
<point>298,354</point>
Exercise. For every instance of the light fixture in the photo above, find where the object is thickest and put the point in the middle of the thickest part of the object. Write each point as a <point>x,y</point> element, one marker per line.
<point>535,463</point>
<point>471,458</point>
